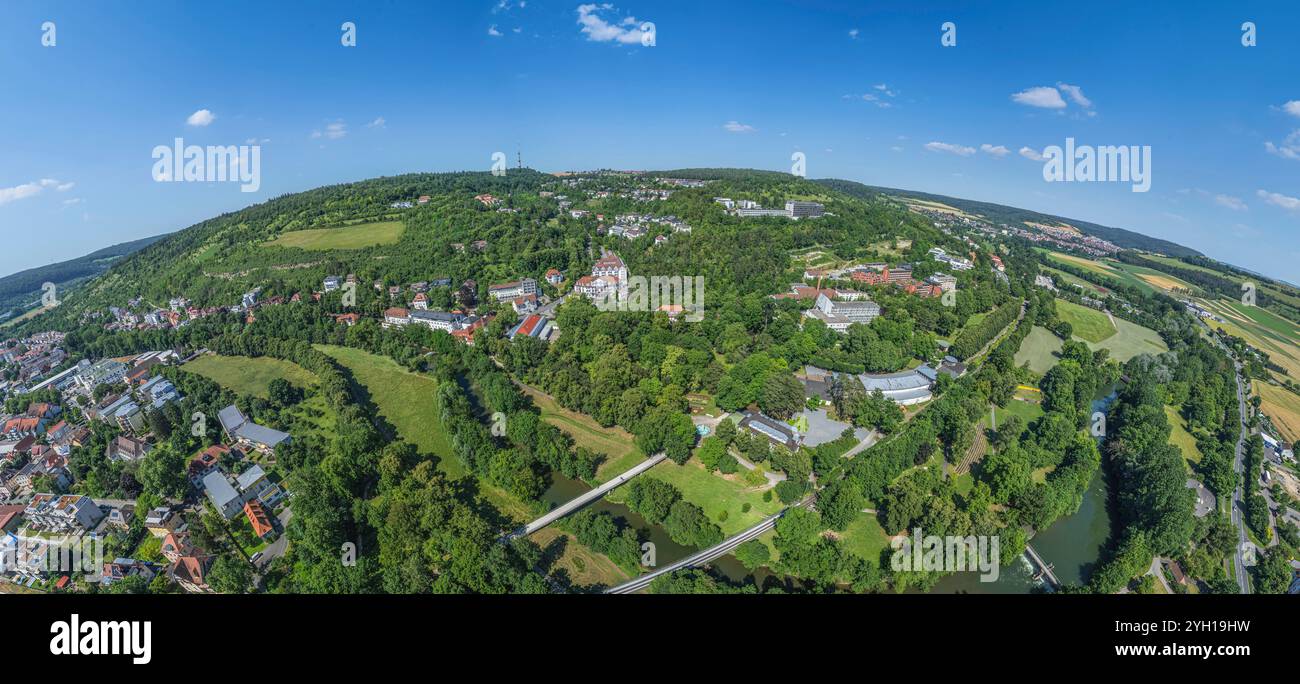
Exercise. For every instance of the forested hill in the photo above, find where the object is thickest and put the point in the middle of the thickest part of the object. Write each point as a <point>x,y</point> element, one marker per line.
<point>999,213</point>
<point>24,284</point>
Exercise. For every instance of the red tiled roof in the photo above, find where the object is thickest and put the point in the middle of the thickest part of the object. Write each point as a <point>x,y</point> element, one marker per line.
<point>258,518</point>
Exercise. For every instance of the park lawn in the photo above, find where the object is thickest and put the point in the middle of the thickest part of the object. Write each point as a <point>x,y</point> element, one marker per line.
<point>1028,411</point>
<point>1089,324</point>
<point>713,493</point>
<point>1282,406</point>
<point>406,400</point>
<point>347,237</point>
<point>249,376</point>
<point>1180,437</point>
<point>865,538</point>
<point>615,443</point>
<point>1039,476</point>
<point>1040,350</point>
<point>1131,340</point>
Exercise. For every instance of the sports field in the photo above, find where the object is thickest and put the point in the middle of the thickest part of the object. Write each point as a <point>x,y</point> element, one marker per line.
<point>347,237</point>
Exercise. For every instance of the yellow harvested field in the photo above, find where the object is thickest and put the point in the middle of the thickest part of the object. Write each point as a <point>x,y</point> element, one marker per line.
<point>1163,282</point>
<point>1282,406</point>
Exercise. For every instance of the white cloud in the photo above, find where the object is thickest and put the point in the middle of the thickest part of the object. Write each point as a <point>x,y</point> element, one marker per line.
<point>1280,200</point>
<point>32,189</point>
<point>332,131</point>
<point>1233,203</point>
<point>1031,153</point>
<point>896,148</point>
<point>377,123</point>
<point>70,202</point>
<point>995,150</point>
<point>1076,94</point>
<point>625,31</point>
<point>203,117</point>
<point>737,127</point>
<point>1046,97</point>
<point>492,31</point>
<point>1292,108</point>
<point>1288,149</point>
<point>853,33</point>
<point>959,150</point>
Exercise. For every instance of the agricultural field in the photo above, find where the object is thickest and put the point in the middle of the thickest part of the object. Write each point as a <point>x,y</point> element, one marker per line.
<point>1262,329</point>
<point>249,376</point>
<point>348,237</point>
<point>1040,350</point>
<point>1090,325</point>
<point>1282,406</point>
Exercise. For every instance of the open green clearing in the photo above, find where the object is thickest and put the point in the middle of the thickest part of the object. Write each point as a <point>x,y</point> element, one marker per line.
<point>405,399</point>
<point>713,493</point>
<point>1180,437</point>
<point>1131,340</point>
<point>1089,324</point>
<point>865,538</point>
<point>347,237</point>
<point>249,376</point>
<point>1040,350</point>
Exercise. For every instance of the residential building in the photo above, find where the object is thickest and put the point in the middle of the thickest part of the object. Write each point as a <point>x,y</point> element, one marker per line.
<point>513,289</point>
<point>244,431</point>
<point>396,316</point>
<point>224,498</point>
<point>126,448</point>
<point>69,513</point>
<point>259,519</point>
<point>438,320</point>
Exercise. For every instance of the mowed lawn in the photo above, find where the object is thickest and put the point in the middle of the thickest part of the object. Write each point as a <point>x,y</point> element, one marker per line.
<point>1089,324</point>
<point>714,494</point>
<point>249,376</point>
<point>1131,340</point>
<point>865,538</point>
<point>346,237</point>
<point>408,401</point>
<point>1040,349</point>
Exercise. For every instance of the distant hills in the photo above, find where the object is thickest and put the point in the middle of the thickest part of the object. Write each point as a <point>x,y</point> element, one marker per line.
<point>22,286</point>
<point>999,213</point>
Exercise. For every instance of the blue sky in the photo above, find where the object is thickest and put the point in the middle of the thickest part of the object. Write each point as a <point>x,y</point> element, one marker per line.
<point>865,90</point>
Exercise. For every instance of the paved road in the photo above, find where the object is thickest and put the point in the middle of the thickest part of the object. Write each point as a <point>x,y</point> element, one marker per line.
<point>276,548</point>
<point>710,554</point>
<point>583,500</point>
<point>1239,566</point>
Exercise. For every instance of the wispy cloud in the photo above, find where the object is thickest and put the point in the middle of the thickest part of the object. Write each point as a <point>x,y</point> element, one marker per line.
<point>853,34</point>
<point>492,31</point>
<point>377,123</point>
<point>1233,203</point>
<point>32,189</point>
<point>998,151</point>
<point>201,118</point>
<point>1279,200</point>
<point>1031,153</point>
<point>332,131</point>
<point>959,150</point>
<point>1076,95</point>
<point>1288,148</point>
<point>1045,97</point>
<point>737,127</point>
<point>624,31</point>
